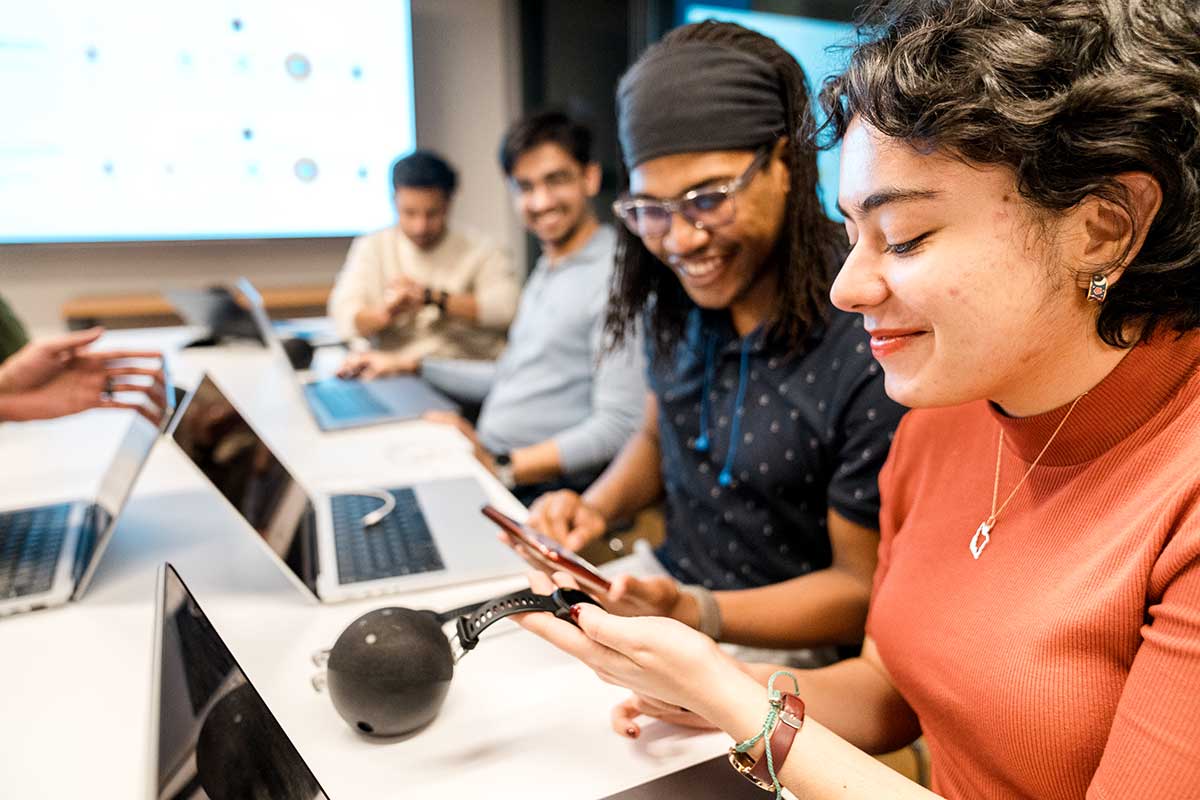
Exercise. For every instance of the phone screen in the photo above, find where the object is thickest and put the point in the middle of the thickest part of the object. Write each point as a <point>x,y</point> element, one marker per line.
<point>550,553</point>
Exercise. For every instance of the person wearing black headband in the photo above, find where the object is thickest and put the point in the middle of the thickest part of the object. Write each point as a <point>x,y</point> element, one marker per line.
<point>766,421</point>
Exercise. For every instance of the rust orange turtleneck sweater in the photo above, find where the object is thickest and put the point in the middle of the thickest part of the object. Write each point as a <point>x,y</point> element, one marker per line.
<point>1065,662</point>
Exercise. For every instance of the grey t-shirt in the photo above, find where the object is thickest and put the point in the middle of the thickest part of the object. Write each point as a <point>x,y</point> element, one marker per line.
<point>552,382</point>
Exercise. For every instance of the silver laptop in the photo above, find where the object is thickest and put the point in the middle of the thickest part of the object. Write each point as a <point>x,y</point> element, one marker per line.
<point>348,544</point>
<point>338,404</point>
<point>49,553</point>
<point>212,736</point>
<point>217,311</point>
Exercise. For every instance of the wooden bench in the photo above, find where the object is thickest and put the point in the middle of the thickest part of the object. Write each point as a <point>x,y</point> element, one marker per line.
<point>152,309</point>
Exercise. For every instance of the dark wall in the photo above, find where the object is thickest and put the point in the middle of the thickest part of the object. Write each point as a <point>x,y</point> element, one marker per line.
<point>572,55</point>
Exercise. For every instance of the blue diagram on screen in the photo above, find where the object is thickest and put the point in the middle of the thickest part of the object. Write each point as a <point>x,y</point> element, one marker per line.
<point>816,44</point>
<point>140,120</point>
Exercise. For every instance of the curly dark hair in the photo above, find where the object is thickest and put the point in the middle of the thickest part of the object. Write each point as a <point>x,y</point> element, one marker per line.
<point>809,247</point>
<point>1069,94</point>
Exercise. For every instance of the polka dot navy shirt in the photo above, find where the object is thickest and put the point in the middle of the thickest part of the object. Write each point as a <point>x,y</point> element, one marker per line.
<point>813,432</point>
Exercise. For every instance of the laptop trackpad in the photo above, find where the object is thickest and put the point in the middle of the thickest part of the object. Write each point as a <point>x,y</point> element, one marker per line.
<point>466,539</point>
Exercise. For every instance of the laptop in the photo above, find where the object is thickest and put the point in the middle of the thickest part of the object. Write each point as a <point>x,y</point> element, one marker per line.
<point>714,779</point>
<point>212,736</point>
<point>216,310</point>
<point>49,553</point>
<point>345,545</point>
<point>338,404</point>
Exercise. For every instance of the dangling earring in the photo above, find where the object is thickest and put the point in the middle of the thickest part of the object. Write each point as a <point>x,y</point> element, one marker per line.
<point>1098,289</point>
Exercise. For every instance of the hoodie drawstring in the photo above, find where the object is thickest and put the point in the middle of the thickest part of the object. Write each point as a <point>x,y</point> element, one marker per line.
<point>725,477</point>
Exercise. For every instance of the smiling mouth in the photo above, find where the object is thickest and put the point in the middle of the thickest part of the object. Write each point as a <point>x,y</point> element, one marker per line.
<point>887,342</point>
<point>697,268</point>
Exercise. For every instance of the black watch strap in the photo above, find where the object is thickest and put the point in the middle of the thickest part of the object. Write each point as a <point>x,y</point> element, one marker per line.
<point>559,604</point>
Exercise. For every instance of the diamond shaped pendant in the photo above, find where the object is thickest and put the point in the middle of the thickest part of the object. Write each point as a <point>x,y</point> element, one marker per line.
<point>983,535</point>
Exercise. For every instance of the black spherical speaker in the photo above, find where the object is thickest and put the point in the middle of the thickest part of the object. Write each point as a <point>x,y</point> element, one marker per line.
<point>390,670</point>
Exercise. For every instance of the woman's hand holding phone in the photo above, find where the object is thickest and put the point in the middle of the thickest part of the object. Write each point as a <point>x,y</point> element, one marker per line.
<point>566,518</point>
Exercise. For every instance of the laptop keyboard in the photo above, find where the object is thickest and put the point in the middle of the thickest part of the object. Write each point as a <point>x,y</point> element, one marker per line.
<point>401,544</point>
<point>30,541</point>
<point>347,399</point>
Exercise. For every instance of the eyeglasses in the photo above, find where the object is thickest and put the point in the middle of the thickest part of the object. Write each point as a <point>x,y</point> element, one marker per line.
<point>703,208</point>
<point>554,182</point>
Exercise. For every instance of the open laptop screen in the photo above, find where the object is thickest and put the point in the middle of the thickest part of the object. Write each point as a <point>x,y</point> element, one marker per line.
<point>215,309</point>
<point>118,479</point>
<point>115,486</point>
<point>218,440</point>
<point>216,737</point>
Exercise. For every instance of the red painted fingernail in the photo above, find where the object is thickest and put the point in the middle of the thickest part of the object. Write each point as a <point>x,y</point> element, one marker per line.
<point>631,732</point>
<point>575,612</point>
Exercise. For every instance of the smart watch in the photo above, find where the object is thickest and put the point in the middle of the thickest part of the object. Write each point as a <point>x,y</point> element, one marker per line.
<point>470,625</point>
<point>504,470</point>
<point>439,300</point>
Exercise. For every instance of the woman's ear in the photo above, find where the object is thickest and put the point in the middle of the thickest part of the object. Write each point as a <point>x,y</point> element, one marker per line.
<point>1113,233</point>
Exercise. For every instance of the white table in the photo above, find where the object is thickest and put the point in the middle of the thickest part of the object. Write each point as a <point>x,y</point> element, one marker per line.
<point>521,719</point>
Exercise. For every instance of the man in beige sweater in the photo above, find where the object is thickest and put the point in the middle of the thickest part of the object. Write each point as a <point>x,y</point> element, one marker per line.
<point>418,289</point>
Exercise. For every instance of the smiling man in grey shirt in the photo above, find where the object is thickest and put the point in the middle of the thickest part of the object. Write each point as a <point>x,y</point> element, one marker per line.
<point>556,405</point>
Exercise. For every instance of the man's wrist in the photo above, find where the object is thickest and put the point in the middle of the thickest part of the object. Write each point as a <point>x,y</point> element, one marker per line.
<point>438,298</point>
<point>502,466</point>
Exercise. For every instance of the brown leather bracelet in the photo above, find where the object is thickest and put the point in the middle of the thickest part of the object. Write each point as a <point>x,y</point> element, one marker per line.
<point>788,724</point>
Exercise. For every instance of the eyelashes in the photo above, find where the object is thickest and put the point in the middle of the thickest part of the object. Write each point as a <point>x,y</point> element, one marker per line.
<point>900,249</point>
<point>907,248</point>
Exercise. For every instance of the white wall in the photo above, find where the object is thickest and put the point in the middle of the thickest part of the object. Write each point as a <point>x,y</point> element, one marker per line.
<point>466,75</point>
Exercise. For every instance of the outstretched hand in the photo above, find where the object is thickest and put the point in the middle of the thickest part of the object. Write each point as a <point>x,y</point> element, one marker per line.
<point>57,376</point>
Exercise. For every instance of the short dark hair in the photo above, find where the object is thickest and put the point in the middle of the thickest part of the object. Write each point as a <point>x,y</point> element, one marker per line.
<point>1068,95</point>
<point>424,169</point>
<point>810,245</point>
<point>543,127</point>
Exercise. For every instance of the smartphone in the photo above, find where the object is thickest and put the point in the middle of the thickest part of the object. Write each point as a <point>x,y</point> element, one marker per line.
<point>549,553</point>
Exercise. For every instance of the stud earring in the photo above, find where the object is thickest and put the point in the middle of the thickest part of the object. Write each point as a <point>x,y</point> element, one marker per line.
<point>1098,289</point>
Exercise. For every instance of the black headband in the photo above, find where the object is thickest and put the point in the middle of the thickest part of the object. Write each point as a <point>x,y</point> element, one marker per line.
<point>696,97</point>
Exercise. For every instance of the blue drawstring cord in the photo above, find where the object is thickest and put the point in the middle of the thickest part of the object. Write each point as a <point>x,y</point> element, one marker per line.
<point>710,350</point>
<point>725,478</point>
